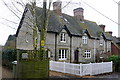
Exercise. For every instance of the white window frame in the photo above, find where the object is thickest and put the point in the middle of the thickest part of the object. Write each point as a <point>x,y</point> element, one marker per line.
<point>84,39</point>
<point>62,37</point>
<point>62,54</point>
<point>87,54</point>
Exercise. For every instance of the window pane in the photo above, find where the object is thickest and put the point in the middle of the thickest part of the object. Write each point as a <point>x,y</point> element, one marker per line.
<point>87,54</point>
<point>62,54</point>
<point>65,53</point>
<point>63,37</point>
<point>84,39</point>
<point>59,53</point>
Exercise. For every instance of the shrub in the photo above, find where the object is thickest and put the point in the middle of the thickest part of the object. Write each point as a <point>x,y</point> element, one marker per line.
<point>116,61</point>
<point>8,56</point>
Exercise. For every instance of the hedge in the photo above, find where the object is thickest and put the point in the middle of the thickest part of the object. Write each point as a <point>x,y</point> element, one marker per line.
<point>116,62</point>
<point>8,56</point>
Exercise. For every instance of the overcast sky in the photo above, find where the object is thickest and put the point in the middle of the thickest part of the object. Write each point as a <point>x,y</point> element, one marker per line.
<point>107,7</point>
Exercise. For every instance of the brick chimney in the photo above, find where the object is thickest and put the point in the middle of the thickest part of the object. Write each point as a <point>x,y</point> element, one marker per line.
<point>78,13</point>
<point>110,32</point>
<point>102,27</point>
<point>57,7</point>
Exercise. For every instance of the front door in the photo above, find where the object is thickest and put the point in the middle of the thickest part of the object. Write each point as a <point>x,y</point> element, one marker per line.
<point>76,56</point>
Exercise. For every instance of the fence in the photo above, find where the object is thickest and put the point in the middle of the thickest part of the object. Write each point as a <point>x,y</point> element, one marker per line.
<point>81,69</point>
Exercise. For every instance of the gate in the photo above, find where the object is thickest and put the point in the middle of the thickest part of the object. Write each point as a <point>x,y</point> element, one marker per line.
<point>31,64</point>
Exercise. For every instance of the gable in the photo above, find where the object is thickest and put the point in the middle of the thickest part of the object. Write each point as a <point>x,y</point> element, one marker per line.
<point>21,21</point>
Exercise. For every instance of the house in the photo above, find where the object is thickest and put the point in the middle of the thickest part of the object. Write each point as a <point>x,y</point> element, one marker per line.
<point>1,48</point>
<point>69,38</point>
<point>115,46</point>
<point>11,42</point>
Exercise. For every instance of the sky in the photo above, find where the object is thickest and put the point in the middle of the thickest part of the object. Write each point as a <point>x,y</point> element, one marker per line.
<point>107,7</point>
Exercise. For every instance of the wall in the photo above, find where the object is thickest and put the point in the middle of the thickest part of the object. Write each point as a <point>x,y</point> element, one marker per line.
<point>63,45</point>
<point>115,50</point>
<point>76,43</point>
<point>24,39</point>
<point>50,44</point>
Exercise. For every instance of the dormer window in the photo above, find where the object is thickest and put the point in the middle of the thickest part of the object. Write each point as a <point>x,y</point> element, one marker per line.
<point>84,39</point>
<point>62,37</point>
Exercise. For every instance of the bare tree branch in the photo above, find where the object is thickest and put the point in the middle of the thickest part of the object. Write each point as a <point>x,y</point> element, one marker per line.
<point>10,9</point>
<point>10,21</point>
<point>20,12</point>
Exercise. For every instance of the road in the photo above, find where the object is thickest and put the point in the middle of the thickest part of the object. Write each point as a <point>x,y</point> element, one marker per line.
<point>6,73</point>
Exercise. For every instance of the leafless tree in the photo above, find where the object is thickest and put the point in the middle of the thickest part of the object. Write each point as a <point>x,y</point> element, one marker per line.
<point>18,5</point>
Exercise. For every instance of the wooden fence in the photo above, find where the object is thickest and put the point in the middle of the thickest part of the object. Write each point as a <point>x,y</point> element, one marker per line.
<point>81,69</point>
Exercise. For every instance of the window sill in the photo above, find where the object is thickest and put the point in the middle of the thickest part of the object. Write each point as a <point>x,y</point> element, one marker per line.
<point>62,59</point>
<point>87,58</point>
<point>63,41</point>
<point>84,44</point>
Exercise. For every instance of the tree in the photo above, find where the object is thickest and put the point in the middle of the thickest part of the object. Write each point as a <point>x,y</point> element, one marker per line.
<point>35,35</point>
<point>17,12</point>
<point>116,61</point>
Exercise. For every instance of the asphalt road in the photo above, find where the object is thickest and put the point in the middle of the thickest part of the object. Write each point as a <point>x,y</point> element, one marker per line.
<point>6,73</point>
<point>111,75</point>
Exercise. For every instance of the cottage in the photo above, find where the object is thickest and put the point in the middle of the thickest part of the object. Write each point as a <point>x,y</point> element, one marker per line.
<point>69,38</point>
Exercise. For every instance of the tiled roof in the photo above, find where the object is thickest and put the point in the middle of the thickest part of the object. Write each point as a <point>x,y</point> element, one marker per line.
<point>75,27</point>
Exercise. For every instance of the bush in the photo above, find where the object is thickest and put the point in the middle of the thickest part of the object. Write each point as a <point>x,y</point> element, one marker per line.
<point>116,61</point>
<point>8,56</point>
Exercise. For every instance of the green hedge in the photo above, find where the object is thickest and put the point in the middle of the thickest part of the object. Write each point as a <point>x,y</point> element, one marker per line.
<point>116,62</point>
<point>8,56</point>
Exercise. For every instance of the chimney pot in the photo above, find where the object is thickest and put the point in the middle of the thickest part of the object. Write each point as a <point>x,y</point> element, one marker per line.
<point>110,32</point>
<point>57,7</point>
<point>102,27</point>
<point>78,13</point>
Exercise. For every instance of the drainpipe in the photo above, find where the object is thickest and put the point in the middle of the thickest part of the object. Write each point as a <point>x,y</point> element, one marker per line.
<point>70,48</point>
<point>55,46</point>
<point>95,48</point>
<point>106,45</point>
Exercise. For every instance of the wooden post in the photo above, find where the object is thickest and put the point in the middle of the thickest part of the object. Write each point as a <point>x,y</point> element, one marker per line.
<point>80,69</point>
<point>102,68</point>
<point>111,66</point>
<point>64,66</point>
<point>90,68</point>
